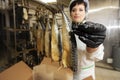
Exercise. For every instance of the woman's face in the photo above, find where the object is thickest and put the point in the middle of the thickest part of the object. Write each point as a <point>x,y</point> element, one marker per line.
<point>78,13</point>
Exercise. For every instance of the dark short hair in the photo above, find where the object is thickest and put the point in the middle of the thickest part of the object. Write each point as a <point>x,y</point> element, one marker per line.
<point>77,2</point>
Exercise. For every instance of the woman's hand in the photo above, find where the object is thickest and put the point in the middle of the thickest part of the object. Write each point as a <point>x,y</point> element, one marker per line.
<point>92,34</point>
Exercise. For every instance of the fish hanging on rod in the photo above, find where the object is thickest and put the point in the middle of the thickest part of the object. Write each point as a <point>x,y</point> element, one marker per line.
<point>69,46</point>
<point>25,12</point>
<point>41,21</point>
<point>39,38</point>
<point>55,53</point>
<point>48,39</point>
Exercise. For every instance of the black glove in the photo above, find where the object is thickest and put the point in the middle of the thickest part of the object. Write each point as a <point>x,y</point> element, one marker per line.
<point>92,34</point>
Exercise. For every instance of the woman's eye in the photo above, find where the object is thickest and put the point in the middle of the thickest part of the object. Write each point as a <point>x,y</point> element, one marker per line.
<point>80,9</point>
<point>73,10</point>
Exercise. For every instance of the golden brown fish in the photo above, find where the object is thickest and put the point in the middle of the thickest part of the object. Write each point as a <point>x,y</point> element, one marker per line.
<point>69,52</point>
<point>48,39</point>
<point>66,45</point>
<point>39,39</point>
<point>55,53</point>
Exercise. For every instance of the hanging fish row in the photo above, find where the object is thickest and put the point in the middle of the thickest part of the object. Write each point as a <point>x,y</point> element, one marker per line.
<point>58,44</point>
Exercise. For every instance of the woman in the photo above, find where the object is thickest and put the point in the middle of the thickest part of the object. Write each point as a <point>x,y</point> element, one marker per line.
<point>89,37</point>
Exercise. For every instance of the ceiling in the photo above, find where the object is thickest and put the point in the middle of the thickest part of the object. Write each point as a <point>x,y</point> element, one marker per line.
<point>93,4</point>
<point>64,2</point>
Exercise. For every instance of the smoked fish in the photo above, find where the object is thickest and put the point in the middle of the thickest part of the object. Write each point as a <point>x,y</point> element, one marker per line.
<point>48,39</point>
<point>69,46</point>
<point>55,53</point>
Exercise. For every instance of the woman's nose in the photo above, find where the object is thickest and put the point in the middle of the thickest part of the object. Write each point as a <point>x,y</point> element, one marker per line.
<point>76,12</point>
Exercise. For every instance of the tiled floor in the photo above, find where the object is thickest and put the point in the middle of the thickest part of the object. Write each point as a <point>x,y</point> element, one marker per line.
<point>106,72</point>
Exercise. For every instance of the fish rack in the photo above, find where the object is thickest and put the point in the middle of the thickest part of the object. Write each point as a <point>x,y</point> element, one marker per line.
<point>15,45</point>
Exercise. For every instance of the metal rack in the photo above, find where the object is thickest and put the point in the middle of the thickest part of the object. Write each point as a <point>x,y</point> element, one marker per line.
<point>11,41</point>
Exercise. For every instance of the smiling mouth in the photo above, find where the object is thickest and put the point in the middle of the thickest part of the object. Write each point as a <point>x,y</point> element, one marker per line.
<point>76,16</point>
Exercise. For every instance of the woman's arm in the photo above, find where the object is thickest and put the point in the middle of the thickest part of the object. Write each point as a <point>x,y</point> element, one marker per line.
<point>91,50</point>
<point>95,54</point>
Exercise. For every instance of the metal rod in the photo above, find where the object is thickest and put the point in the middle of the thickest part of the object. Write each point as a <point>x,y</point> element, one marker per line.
<point>14,19</point>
